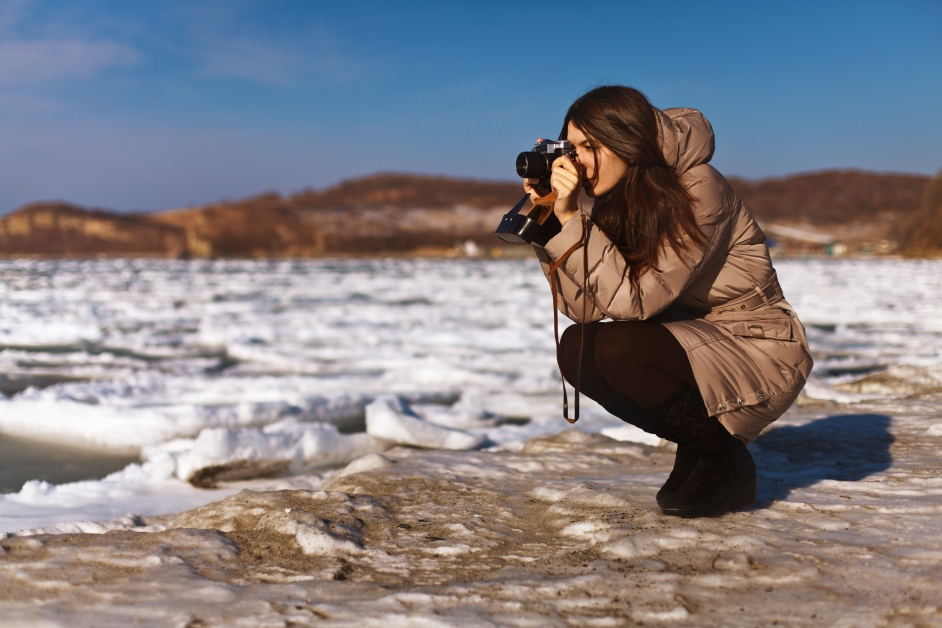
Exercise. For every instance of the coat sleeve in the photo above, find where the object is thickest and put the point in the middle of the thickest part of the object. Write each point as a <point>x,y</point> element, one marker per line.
<point>569,296</point>
<point>611,293</point>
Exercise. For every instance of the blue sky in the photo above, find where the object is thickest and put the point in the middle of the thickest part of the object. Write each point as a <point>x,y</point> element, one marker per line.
<point>139,105</point>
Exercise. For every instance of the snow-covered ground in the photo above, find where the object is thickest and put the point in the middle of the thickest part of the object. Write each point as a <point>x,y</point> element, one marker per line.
<point>217,373</point>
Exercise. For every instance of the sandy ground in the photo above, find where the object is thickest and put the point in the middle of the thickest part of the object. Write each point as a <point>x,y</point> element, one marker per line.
<point>565,532</point>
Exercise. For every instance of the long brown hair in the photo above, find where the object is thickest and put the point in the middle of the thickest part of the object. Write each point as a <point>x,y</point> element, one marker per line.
<point>648,208</point>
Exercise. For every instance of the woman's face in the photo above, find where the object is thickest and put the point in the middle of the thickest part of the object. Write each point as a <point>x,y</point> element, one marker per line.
<point>599,177</point>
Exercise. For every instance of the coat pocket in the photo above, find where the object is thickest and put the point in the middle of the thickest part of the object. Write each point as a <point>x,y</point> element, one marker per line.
<point>770,323</point>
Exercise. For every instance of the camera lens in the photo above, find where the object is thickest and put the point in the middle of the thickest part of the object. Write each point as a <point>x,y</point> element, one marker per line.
<point>532,165</point>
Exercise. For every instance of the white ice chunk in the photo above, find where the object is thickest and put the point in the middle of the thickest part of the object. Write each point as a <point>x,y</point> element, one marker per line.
<point>112,428</point>
<point>633,434</point>
<point>468,413</point>
<point>221,453</point>
<point>102,415</point>
<point>142,489</point>
<point>46,333</point>
<point>389,419</point>
<point>364,464</point>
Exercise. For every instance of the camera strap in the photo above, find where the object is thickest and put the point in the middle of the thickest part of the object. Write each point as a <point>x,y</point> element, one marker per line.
<point>554,268</point>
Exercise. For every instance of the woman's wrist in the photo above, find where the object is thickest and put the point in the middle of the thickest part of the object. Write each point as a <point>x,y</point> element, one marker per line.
<point>564,215</point>
<point>565,208</point>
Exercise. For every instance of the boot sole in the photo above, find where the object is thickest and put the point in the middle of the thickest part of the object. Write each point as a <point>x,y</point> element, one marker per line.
<point>742,497</point>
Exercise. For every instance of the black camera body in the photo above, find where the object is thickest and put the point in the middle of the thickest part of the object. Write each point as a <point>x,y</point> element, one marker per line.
<point>539,225</point>
<point>538,163</point>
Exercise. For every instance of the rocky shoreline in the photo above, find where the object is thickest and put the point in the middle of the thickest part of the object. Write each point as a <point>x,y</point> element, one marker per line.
<point>562,532</point>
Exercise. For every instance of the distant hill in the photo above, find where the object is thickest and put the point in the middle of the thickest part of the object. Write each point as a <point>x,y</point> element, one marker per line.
<point>406,191</point>
<point>925,235</point>
<point>845,211</point>
<point>412,214</point>
<point>833,197</point>
<point>381,214</point>
<point>63,230</point>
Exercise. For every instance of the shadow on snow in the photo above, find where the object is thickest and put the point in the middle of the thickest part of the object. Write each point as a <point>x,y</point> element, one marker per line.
<point>844,447</point>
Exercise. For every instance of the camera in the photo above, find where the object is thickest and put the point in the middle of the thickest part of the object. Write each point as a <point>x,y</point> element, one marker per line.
<point>538,163</point>
<point>540,224</point>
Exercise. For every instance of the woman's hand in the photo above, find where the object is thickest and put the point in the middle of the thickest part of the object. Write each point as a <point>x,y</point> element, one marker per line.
<point>565,181</point>
<point>529,187</point>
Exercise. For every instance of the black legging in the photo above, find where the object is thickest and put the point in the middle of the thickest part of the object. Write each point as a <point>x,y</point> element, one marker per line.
<point>637,360</point>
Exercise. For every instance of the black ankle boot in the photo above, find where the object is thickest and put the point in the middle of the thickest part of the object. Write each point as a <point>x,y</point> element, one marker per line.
<point>685,459</point>
<point>724,475</point>
<point>684,462</point>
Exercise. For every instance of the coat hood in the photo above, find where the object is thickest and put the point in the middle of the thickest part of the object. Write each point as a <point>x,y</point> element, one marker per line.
<point>685,136</point>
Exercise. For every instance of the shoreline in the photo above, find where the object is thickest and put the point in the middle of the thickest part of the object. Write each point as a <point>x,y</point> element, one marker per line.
<point>564,531</point>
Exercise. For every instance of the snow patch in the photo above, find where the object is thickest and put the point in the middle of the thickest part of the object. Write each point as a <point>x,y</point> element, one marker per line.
<point>390,419</point>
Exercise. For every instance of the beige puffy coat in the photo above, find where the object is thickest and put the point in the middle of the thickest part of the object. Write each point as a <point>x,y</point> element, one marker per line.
<point>721,301</point>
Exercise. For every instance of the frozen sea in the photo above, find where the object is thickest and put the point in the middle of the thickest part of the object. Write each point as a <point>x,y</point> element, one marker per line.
<point>135,389</point>
<point>132,375</point>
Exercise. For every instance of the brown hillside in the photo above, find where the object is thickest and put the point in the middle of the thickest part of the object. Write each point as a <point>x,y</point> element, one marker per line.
<point>379,214</point>
<point>60,229</point>
<point>407,191</point>
<point>926,234</point>
<point>833,197</point>
<point>262,227</point>
<point>390,213</point>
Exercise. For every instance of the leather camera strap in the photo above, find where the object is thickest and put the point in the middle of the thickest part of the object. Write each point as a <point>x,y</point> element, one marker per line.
<point>545,206</point>
<point>554,268</point>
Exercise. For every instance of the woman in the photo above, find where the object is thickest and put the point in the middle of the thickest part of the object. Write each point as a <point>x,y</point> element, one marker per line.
<point>702,348</point>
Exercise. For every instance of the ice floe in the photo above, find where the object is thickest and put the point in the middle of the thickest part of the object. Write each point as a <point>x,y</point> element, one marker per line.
<point>215,372</point>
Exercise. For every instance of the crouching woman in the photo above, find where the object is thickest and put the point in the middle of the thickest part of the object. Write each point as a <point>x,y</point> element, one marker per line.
<point>682,328</point>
